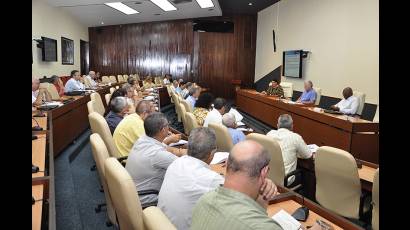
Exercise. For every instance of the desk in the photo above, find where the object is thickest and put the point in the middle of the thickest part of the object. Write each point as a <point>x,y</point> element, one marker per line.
<point>291,202</point>
<point>38,154</point>
<point>37,208</point>
<point>355,135</point>
<point>42,121</point>
<point>164,97</point>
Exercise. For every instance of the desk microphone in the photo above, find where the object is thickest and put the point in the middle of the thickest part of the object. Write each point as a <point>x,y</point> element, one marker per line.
<point>33,201</point>
<point>34,168</point>
<point>302,213</point>
<point>36,128</point>
<point>33,137</point>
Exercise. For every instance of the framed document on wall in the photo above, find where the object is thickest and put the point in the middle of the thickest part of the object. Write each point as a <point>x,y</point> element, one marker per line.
<point>67,51</point>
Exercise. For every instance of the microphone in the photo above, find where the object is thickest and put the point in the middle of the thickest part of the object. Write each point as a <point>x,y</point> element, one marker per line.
<point>34,168</point>
<point>302,213</point>
<point>36,128</point>
<point>33,137</point>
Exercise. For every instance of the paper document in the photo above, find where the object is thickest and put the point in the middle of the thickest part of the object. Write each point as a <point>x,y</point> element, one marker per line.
<point>149,98</point>
<point>313,148</point>
<point>245,129</point>
<point>59,103</point>
<point>240,123</point>
<point>286,221</point>
<point>219,157</point>
<point>180,142</point>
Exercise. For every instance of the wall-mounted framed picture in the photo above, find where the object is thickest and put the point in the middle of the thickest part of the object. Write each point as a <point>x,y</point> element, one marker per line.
<point>67,51</point>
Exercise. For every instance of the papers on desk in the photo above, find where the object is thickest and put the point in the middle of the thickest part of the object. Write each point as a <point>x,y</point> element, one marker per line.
<point>240,123</point>
<point>245,129</point>
<point>219,157</point>
<point>149,98</point>
<point>54,103</point>
<point>180,142</point>
<point>313,148</point>
<point>286,221</point>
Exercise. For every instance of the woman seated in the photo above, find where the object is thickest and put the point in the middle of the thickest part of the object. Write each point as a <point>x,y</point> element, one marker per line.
<point>58,83</point>
<point>274,89</point>
<point>202,107</point>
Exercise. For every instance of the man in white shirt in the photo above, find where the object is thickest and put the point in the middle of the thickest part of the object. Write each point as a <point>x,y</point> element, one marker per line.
<point>91,77</point>
<point>188,178</point>
<point>38,95</point>
<point>215,115</point>
<point>291,144</point>
<point>149,157</point>
<point>193,96</point>
<point>349,104</point>
<point>74,83</point>
<point>167,79</point>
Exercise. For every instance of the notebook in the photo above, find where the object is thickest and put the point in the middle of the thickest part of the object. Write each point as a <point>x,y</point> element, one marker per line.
<point>219,157</point>
<point>286,221</point>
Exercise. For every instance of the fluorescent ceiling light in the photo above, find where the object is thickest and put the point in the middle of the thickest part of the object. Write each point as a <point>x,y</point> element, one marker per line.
<point>122,7</point>
<point>205,3</point>
<point>164,5</point>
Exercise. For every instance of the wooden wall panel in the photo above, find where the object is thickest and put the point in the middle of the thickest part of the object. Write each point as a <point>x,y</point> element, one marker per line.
<point>211,59</point>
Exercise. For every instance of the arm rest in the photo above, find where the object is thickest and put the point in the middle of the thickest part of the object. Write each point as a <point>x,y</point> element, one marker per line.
<point>155,219</point>
<point>293,173</point>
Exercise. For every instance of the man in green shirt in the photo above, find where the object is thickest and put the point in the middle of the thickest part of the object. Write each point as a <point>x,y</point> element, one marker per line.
<point>274,89</point>
<point>241,203</point>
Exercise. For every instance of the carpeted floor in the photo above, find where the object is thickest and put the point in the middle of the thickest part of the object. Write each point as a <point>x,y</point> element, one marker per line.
<point>77,187</point>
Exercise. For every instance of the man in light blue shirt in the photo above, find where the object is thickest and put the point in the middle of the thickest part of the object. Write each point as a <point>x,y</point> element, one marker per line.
<point>228,119</point>
<point>193,96</point>
<point>74,83</point>
<point>309,95</point>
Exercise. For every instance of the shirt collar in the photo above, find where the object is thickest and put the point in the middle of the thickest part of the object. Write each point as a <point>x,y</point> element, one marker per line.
<point>198,161</point>
<point>239,196</point>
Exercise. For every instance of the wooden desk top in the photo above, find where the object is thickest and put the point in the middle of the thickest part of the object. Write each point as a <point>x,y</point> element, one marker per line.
<point>38,154</point>
<point>42,122</point>
<point>37,208</point>
<point>366,173</point>
<point>290,206</point>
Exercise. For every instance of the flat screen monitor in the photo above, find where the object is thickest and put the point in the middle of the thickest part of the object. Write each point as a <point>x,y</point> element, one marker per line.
<point>49,49</point>
<point>292,63</point>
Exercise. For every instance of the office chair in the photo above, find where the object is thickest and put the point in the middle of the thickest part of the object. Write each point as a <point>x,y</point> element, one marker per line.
<point>125,77</point>
<point>376,115</point>
<point>375,201</point>
<point>287,89</point>
<point>191,122</point>
<point>362,99</point>
<point>97,103</point>
<point>183,112</point>
<point>318,95</point>
<point>113,79</point>
<point>223,138</point>
<point>338,185</point>
<point>277,166</point>
<point>125,199</point>
<point>120,78</point>
<point>100,154</point>
<point>105,79</point>
<point>187,106</point>
<point>107,99</point>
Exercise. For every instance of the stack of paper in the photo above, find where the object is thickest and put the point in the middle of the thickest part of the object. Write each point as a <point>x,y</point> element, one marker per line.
<point>219,157</point>
<point>180,142</point>
<point>313,148</point>
<point>286,221</point>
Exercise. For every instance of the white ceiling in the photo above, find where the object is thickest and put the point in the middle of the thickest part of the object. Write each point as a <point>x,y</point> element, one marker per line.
<point>92,12</point>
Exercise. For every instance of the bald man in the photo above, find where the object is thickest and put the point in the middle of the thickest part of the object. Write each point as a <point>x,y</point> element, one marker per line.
<point>241,203</point>
<point>91,76</point>
<point>349,104</point>
<point>38,96</point>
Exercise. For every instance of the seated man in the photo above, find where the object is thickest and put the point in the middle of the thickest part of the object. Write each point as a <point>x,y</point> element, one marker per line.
<point>291,144</point>
<point>274,89</point>
<point>233,111</point>
<point>309,95</point>
<point>38,96</point>
<point>147,83</point>
<point>149,158</point>
<point>91,76</point>
<point>215,115</point>
<point>132,127</point>
<point>175,87</point>
<point>242,201</point>
<point>185,90</point>
<point>74,83</point>
<point>118,109</point>
<point>193,96</point>
<point>188,178</point>
<point>349,104</point>
<point>228,119</point>
<point>167,79</point>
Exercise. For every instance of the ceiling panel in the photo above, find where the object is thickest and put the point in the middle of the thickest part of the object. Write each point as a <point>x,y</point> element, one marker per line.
<point>243,7</point>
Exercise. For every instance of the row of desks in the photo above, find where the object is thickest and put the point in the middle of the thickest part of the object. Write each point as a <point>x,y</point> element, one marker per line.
<point>357,136</point>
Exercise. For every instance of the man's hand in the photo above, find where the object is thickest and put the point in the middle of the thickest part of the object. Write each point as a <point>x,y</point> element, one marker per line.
<point>263,92</point>
<point>268,190</point>
<point>173,138</point>
<point>177,151</point>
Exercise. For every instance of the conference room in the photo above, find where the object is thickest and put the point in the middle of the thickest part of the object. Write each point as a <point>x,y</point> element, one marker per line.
<point>205,114</point>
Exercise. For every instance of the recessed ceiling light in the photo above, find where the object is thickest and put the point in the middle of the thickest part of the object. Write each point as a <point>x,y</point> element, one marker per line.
<point>102,23</point>
<point>205,3</point>
<point>164,5</point>
<point>250,3</point>
<point>122,7</point>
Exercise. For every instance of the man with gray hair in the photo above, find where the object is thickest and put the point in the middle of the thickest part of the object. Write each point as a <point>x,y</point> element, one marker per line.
<point>193,96</point>
<point>242,201</point>
<point>188,178</point>
<point>90,77</point>
<point>309,95</point>
<point>118,109</point>
<point>228,119</point>
<point>149,158</point>
<point>291,144</point>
